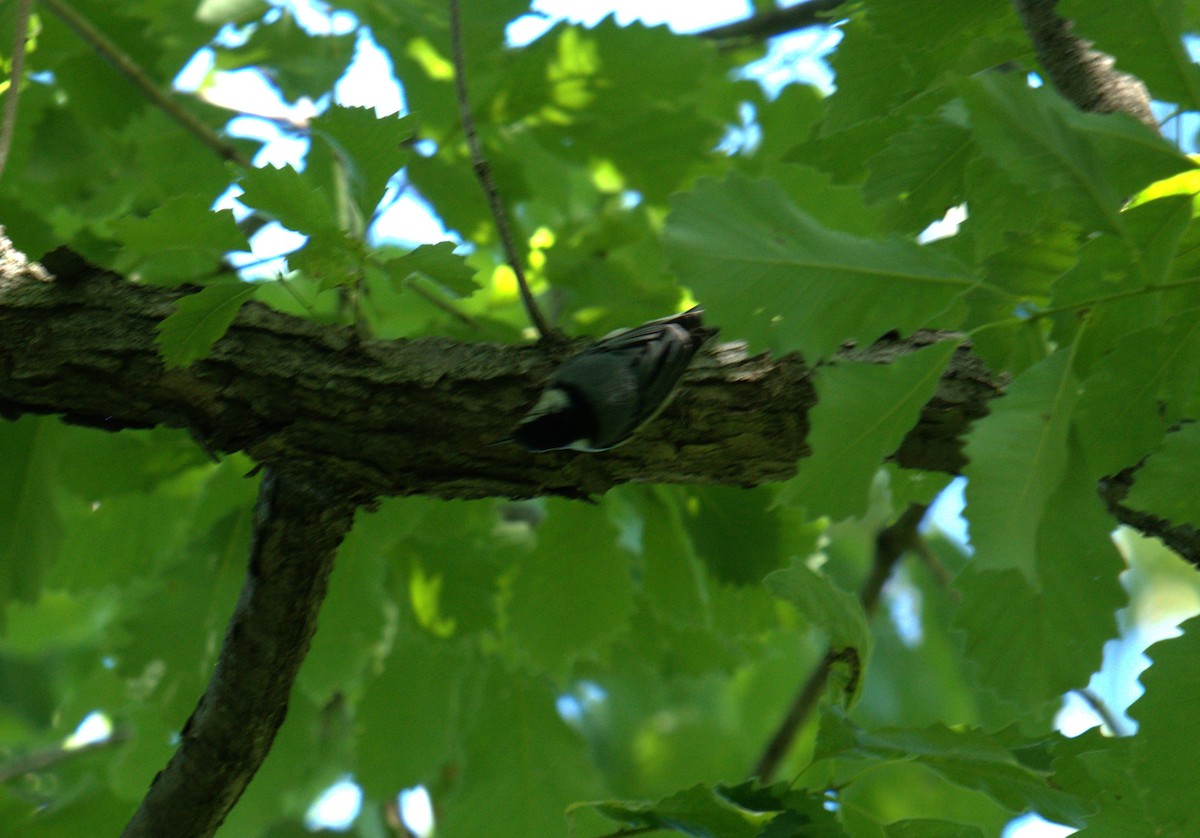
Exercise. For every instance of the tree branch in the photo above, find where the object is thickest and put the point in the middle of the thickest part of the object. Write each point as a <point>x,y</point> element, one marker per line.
<point>300,520</point>
<point>284,389</point>
<point>130,69</point>
<point>890,545</point>
<point>8,120</point>
<point>775,22</point>
<point>411,417</point>
<point>483,174</point>
<point>1083,75</point>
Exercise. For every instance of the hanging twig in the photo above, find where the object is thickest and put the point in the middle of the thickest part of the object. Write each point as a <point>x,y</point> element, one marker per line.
<point>484,174</point>
<point>129,68</point>
<point>1101,709</point>
<point>890,545</point>
<point>8,123</point>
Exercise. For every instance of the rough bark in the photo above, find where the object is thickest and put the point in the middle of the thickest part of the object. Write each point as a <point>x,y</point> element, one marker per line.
<point>1085,76</point>
<point>300,519</point>
<point>409,417</point>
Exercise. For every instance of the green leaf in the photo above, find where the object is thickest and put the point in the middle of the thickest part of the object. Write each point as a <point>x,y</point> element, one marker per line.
<point>698,811</point>
<point>367,149</point>
<point>200,320</point>
<point>970,759</point>
<point>438,262</point>
<point>922,171</point>
<point>31,528</point>
<point>301,64</point>
<point>181,239</point>
<point>863,413</point>
<point>522,766</point>
<point>1166,486</point>
<point>352,623</point>
<point>768,272</point>
<point>672,575</point>
<point>1018,457</point>
<point>1026,133</point>
<point>567,603</point>
<point>418,698</point>
<point>289,197</point>
<point>744,534</point>
<point>837,613</point>
<point>1165,718</point>
<point>1032,643</point>
<point>1136,391</point>
<point>58,621</point>
<point>926,828</point>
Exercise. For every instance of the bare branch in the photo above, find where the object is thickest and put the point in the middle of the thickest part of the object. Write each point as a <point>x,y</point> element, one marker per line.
<point>300,520</point>
<point>483,174</point>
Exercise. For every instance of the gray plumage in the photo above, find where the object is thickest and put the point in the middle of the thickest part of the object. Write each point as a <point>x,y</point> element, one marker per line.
<point>596,400</point>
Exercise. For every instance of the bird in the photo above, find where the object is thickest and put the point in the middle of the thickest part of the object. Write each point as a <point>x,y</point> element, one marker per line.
<point>597,399</point>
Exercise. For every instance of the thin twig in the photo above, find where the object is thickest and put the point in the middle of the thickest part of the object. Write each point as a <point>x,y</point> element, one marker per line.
<point>1101,709</point>
<point>891,543</point>
<point>775,22</point>
<point>8,123</point>
<point>48,758</point>
<point>483,174</point>
<point>127,67</point>
<point>436,301</point>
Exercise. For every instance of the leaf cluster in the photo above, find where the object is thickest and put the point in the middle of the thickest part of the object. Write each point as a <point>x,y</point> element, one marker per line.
<point>519,659</point>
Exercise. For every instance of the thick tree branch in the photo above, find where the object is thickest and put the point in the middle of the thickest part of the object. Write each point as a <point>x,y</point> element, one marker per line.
<point>419,417</point>
<point>409,417</point>
<point>300,520</point>
<point>1083,75</point>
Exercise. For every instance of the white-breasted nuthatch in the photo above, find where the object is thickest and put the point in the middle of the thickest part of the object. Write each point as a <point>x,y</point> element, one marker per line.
<point>595,400</point>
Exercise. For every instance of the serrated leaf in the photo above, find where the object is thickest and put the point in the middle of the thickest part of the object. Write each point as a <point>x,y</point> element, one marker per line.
<point>1136,391</point>
<point>200,320</point>
<point>970,759</point>
<point>1025,131</point>
<point>767,271</point>
<point>1018,456</point>
<point>1050,637</point>
<point>922,170</point>
<point>863,413</point>
<point>837,613</point>
<point>179,240</point>
<point>289,197</point>
<point>184,224</point>
<point>1165,718</point>
<point>438,262</point>
<point>368,148</point>
<point>1166,486</point>
<point>562,610</point>
<point>698,811</point>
